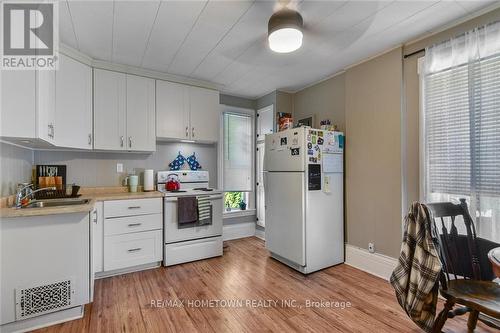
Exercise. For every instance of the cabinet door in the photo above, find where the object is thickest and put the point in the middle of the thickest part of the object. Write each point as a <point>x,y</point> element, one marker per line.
<point>259,188</point>
<point>98,237</point>
<point>204,114</point>
<point>73,104</point>
<point>265,122</point>
<point>18,100</point>
<point>46,105</point>
<point>109,110</point>
<point>172,110</point>
<point>141,129</point>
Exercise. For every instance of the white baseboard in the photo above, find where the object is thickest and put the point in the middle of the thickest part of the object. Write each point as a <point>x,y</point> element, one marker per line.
<point>238,230</point>
<point>259,233</point>
<point>374,263</point>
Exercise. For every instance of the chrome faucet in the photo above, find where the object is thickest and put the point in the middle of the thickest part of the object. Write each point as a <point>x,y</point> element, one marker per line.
<point>25,190</point>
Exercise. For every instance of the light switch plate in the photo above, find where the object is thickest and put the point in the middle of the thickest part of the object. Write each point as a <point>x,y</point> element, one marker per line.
<point>119,167</point>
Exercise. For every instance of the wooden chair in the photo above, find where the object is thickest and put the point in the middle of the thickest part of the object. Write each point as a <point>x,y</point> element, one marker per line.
<point>466,277</point>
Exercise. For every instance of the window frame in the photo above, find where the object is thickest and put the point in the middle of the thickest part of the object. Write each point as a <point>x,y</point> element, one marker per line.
<point>250,210</point>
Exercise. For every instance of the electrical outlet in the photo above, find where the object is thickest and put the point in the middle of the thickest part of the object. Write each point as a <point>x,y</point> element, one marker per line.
<point>119,167</point>
<point>371,247</point>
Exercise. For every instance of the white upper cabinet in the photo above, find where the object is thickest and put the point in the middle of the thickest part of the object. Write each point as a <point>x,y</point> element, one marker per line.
<point>141,131</point>
<point>204,114</point>
<point>185,112</point>
<point>124,112</point>
<point>18,104</point>
<point>110,123</point>
<point>28,105</point>
<point>172,110</point>
<point>265,122</point>
<point>46,105</point>
<point>73,127</point>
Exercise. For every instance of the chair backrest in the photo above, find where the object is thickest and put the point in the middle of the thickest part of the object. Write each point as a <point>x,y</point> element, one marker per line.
<point>458,252</point>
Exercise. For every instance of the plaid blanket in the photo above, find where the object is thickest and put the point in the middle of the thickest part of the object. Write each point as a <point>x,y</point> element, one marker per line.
<point>416,276</point>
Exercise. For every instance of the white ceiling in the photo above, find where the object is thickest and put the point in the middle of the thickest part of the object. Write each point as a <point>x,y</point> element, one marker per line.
<point>224,42</point>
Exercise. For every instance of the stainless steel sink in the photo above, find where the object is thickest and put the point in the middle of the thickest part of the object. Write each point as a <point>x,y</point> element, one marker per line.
<point>56,203</point>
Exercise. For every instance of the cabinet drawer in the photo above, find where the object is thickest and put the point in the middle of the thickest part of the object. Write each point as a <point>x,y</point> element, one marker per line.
<point>116,208</point>
<point>128,224</point>
<point>178,253</point>
<point>128,250</point>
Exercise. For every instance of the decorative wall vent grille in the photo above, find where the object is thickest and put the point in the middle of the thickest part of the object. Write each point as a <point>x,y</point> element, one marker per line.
<point>35,301</point>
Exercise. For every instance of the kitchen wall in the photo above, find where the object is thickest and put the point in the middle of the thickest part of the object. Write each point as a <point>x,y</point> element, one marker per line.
<point>236,101</point>
<point>99,168</point>
<point>324,100</point>
<point>373,93</point>
<point>377,104</point>
<point>365,103</point>
<point>284,102</point>
<point>15,167</point>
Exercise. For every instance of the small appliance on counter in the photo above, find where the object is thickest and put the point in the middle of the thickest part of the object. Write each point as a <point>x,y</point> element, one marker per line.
<point>201,236</point>
<point>148,180</point>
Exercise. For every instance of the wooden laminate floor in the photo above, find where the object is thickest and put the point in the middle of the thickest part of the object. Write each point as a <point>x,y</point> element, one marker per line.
<point>252,281</point>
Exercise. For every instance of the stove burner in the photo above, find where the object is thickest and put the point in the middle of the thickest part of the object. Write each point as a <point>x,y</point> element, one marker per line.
<point>205,189</point>
<point>176,191</point>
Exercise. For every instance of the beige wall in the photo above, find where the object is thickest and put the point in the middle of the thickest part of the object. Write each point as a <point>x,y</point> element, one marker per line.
<point>284,102</point>
<point>373,153</point>
<point>325,100</point>
<point>15,167</point>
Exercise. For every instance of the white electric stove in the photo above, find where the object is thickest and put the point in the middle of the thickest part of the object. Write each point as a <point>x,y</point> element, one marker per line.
<point>184,244</point>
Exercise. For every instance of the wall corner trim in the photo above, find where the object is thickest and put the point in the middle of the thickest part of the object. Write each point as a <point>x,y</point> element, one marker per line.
<point>373,263</point>
<point>238,230</point>
<point>259,233</point>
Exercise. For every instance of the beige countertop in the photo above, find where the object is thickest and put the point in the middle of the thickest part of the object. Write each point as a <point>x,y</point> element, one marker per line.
<point>95,194</point>
<point>122,195</point>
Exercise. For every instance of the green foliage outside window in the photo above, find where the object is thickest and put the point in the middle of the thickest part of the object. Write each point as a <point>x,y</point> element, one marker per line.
<point>233,199</point>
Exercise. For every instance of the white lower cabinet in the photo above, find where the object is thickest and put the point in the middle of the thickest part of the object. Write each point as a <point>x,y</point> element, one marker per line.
<point>128,250</point>
<point>131,234</point>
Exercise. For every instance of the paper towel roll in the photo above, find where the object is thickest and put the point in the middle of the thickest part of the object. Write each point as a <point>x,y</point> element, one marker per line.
<point>148,180</point>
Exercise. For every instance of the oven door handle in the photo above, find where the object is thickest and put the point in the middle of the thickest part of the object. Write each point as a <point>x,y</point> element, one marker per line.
<point>212,197</point>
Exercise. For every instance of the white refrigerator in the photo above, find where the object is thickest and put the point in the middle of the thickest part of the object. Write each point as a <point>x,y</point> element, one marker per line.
<point>304,201</point>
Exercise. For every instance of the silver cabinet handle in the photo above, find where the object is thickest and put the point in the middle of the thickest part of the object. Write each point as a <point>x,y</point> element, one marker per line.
<point>134,224</point>
<point>130,141</point>
<point>90,139</point>
<point>135,250</point>
<point>134,207</point>
<point>121,141</point>
<point>187,131</point>
<point>192,132</point>
<point>95,217</point>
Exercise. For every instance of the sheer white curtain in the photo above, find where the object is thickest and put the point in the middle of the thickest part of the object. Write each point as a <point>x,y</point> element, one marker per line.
<point>461,124</point>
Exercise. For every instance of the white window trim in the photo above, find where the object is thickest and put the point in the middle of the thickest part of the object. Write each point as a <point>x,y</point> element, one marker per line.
<point>220,163</point>
<point>239,213</point>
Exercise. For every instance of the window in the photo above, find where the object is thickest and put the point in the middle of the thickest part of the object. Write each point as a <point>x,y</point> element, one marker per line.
<point>238,161</point>
<point>461,125</point>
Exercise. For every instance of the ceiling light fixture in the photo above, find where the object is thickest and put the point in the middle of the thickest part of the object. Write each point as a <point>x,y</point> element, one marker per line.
<point>284,31</point>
